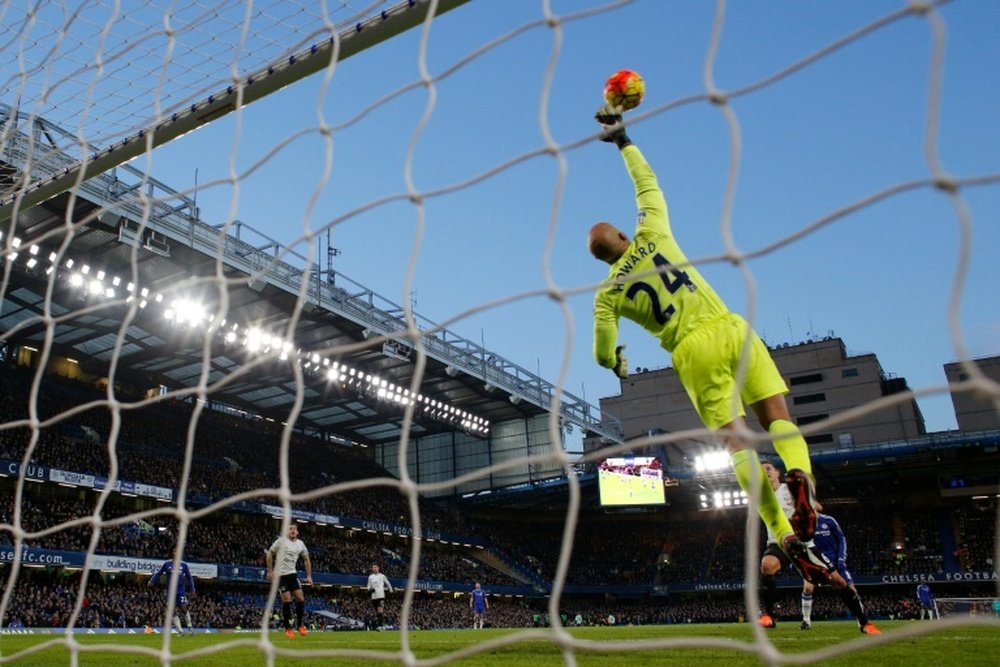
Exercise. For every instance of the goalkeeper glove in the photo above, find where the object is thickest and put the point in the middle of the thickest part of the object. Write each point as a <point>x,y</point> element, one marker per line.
<point>621,363</point>
<point>613,129</point>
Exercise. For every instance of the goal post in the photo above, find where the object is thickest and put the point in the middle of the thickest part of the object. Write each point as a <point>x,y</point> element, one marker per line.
<point>179,121</point>
<point>973,606</point>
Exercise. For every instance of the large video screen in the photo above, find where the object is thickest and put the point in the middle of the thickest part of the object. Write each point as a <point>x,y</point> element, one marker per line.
<point>632,480</point>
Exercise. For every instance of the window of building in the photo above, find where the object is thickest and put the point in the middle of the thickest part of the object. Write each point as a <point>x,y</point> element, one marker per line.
<point>806,379</point>
<point>809,398</point>
<point>849,373</point>
<point>809,419</point>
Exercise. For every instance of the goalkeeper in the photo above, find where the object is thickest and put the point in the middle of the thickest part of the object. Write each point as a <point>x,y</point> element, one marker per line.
<point>651,283</point>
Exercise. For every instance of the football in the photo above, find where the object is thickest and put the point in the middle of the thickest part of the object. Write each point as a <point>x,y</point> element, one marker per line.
<point>624,90</point>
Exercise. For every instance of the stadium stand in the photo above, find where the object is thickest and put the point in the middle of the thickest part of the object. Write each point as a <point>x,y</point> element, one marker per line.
<point>673,567</point>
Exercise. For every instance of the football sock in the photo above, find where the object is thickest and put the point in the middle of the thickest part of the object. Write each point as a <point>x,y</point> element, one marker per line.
<point>187,615</point>
<point>853,602</point>
<point>750,475</point>
<point>807,607</point>
<point>790,445</point>
<point>768,587</point>
<point>300,611</point>
<point>286,614</point>
<point>177,622</point>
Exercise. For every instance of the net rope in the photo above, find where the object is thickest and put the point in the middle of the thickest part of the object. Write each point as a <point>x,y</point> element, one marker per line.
<point>146,51</point>
<point>198,38</point>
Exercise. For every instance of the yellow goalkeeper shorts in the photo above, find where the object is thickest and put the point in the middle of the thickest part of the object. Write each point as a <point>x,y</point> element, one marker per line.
<point>707,361</point>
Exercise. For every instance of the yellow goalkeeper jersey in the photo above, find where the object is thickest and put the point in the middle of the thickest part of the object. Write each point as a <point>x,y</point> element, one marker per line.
<point>668,304</point>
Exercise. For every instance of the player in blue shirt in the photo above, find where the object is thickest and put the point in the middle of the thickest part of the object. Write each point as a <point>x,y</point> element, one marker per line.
<point>185,588</point>
<point>928,605</point>
<point>830,545</point>
<point>830,540</point>
<point>479,604</point>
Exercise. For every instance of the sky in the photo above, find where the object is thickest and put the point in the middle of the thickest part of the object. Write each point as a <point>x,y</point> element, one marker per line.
<point>829,135</point>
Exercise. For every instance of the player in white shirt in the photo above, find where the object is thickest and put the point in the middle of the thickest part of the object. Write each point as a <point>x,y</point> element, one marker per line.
<point>775,560</point>
<point>287,551</point>
<point>378,584</point>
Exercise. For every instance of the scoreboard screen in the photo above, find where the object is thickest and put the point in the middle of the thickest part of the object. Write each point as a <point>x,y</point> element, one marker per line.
<point>632,480</point>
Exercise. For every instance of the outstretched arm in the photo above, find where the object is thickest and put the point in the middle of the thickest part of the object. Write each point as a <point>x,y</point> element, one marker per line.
<point>156,577</point>
<point>648,195</point>
<point>607,352</point>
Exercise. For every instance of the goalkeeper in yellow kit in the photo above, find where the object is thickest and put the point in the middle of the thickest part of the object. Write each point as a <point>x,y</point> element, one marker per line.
<point>651,283</point>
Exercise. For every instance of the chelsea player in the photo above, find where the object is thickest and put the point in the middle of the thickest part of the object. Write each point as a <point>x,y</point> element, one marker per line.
<point>479,604</point>
<point>831,542</point>
<point>185,588</point>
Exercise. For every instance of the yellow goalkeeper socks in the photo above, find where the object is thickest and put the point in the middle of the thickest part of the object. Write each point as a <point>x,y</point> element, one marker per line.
<point>790,445</point>
<point>749,474</point>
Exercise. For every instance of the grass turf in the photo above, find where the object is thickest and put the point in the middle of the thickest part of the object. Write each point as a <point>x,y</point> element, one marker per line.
<point>968,646</point>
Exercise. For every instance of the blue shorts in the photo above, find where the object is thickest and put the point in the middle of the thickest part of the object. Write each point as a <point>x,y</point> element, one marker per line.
<point>181,600</point>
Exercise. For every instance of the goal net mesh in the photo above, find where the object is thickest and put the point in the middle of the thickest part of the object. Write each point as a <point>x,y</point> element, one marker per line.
<point>102,87</point>
<point>984,607</point>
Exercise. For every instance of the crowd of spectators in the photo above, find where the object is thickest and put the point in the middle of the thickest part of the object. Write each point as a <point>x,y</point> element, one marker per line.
<point>215,540</point>
<point>977,534</point>
<point>606,550</point>
<point>922,543</point>
<point>230,454</point>
<point>685,556</point>
<point>46,599</point>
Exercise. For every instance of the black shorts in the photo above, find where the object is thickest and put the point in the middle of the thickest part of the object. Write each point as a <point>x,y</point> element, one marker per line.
<point>378,603</point>
<point>289,583</point>
<point>774,550</point>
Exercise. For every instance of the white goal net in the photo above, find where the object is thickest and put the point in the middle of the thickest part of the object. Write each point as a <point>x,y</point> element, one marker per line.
<point>985,607</point>
<point>188,188</point>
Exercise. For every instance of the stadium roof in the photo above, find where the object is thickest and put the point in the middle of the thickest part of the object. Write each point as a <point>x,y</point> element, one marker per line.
<point>122,229</point>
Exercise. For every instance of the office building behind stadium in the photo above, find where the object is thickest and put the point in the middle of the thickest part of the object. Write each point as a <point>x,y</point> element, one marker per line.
<point>823,381</point>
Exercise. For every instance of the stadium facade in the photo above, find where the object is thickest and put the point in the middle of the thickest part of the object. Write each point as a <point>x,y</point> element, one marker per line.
<point>823,380</point>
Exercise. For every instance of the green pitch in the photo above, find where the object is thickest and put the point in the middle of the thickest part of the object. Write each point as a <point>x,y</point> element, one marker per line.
<point>968,646</point>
